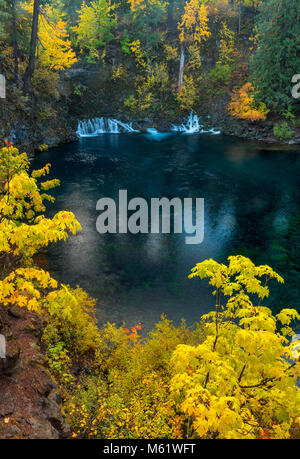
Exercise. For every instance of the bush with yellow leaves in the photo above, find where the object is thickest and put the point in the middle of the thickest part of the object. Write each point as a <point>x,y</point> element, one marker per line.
<point>242,105</point>
<point>128,396</point>
<point>233,376</point>
<point>241,381</point>
<point>24,231</point>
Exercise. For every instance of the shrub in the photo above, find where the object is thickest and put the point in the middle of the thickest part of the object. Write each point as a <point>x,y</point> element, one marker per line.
<point>220,75</point>
<point>282,131</point>
<point>218,78</point>
<point>130,397</point>
<point>232,376</point>
<point>45,84</point>
<point>70,314</point>
<point>241,382</point>
<point>242,105</point>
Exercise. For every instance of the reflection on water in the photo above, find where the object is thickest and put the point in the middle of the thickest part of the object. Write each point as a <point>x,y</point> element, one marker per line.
<point>249,195</point>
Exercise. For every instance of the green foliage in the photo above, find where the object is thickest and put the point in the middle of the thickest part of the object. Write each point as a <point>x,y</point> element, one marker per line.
<point>59,363</point>
<point>289,115</point>
<point>79,90</point>
<point>277,56</point>
<point>282,131</point>
<point>219,77</point>
<point>125,43</point>
<point>94,29</point>
<point>4,15</point>
<point>147,17</point>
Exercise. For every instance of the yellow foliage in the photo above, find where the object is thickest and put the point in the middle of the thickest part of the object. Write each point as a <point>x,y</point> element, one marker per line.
<point>119,73</point>
<point>140,55</point>
<point>188,94</point>
<point>71,321</point>
<point>193,29</point>
<point>241,381</point>
<point>24,230</point>
<point>234,376</point>
<point>142,5</point>
<point>194,24</point>
<point>242,105</point>
<point>170,52</point>
<point>55,51</point>
<point>130,398</point>
<point>227,50</point>
<point>43,147</point>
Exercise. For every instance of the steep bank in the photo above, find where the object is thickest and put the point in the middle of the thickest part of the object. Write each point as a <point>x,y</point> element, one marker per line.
<point>30,403</point>
<point>29,133</point>
<point>88,92</point>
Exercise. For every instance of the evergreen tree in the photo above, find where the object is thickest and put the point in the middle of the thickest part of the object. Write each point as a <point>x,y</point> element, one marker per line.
<point>4,14</point>
<point>278,53</point>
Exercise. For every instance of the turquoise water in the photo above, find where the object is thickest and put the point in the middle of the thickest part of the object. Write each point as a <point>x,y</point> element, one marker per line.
<point>250,194</point>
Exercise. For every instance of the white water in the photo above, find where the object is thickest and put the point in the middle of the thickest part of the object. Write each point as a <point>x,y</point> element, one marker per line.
<point>96,126</point>
<point>154,134</point>
<point>193,126</point>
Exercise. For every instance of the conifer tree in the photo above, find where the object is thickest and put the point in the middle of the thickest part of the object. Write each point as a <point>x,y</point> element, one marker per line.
<point>277,56</point>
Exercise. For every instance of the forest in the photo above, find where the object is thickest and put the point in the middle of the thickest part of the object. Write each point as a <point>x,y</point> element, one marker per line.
<point>68,373</point>
<point>150,59</point>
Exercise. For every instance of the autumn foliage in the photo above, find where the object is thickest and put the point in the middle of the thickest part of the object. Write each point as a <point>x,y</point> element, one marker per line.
<point>232,375</point>
<point>24,230</point>
<point>55,49</point>
<point>242,105</point>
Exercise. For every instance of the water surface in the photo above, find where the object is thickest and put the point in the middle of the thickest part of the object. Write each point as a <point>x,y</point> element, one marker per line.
<point>250,193</point>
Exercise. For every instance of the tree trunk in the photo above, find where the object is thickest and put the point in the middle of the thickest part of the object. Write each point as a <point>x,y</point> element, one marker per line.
<point>181,68</point>
<point>15,41</point>
<point>33,46</point>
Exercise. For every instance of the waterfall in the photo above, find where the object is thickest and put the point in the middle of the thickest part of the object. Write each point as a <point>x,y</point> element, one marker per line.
<point>193,126</point>
<point>96,126</point>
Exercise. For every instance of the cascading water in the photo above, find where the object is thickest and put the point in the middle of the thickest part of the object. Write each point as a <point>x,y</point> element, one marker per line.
<point>96,126</point>
<point>193,126</point>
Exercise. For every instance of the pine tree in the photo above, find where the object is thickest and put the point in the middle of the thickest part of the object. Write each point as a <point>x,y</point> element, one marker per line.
<point>277,56</point>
